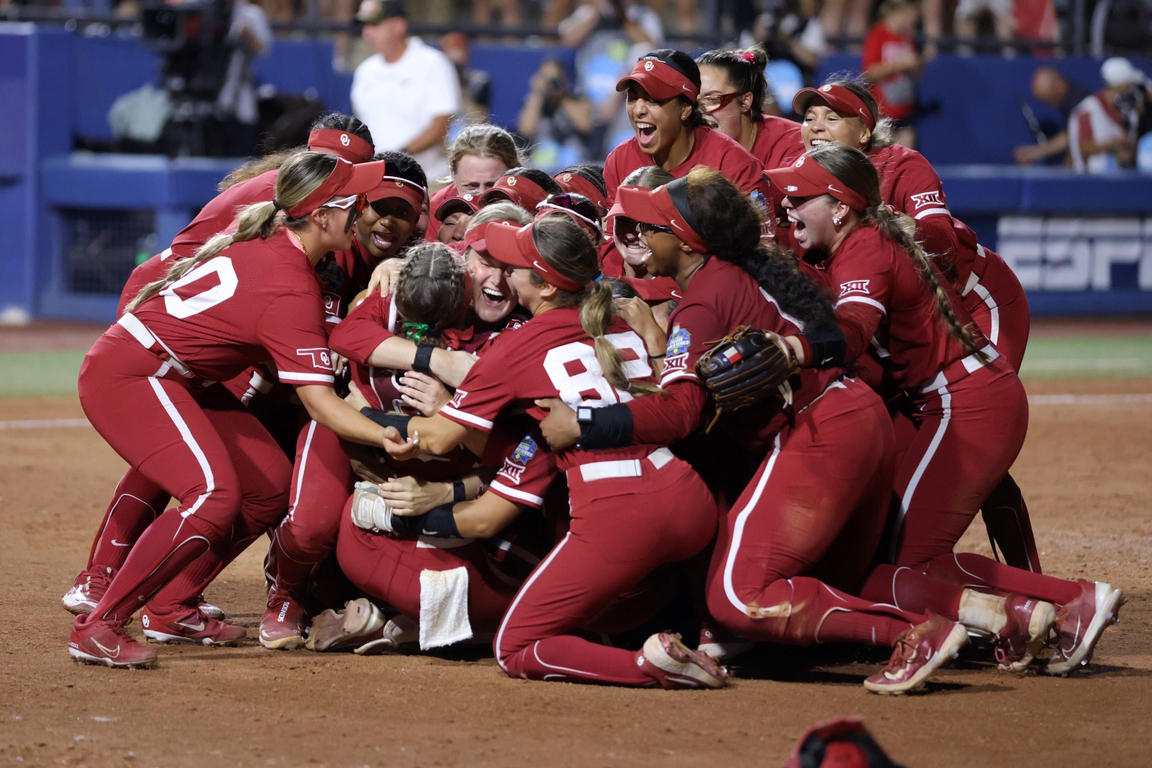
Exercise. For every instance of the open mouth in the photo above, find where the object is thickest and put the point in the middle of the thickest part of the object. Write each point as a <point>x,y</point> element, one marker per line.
<point>820,142</point>
<point>636,254</point>
<point>492,298</point>
<point>645,133</point>
<point>382,239</point>
<point>798,226</point>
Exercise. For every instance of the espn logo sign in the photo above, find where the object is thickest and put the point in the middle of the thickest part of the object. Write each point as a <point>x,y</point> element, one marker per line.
<point>1083,254</point>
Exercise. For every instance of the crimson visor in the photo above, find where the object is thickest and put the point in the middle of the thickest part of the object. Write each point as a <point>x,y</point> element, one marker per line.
<point>467,203</point>
<point>661,81</point>
<point>345,180</point>
<point>836,96</point>
<point>656,206</point>
<point>343,144</point>
<point>513,245</point>
<point>519,189</point>
<point>807,178</point>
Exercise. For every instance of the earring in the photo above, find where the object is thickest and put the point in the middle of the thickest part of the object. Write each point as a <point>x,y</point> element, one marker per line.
<point>837,222</point>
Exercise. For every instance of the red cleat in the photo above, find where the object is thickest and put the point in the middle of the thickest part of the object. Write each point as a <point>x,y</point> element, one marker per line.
<point>106,642</point>
<point>89,587</point>
<point>1026,632</point>
<point>1080,623</point>
<point>282,628</point>
<point>189,626</point>
<point>675,665</point>
<point>919,652</point>
<point>208,609</point>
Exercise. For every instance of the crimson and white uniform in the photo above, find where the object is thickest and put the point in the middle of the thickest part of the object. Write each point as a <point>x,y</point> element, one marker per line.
<point>801,535</point>
<point>257,301</point>
<point>389,568</point>
<point>710,148</point>
<point>621,527</point>
<point>778,142</point>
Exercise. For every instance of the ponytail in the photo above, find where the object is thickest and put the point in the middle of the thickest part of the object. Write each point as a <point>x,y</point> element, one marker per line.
<point>596,313</point>
<point>902,229</point>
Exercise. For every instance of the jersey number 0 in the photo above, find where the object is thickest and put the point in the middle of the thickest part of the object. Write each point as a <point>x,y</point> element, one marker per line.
<point>223,290</point>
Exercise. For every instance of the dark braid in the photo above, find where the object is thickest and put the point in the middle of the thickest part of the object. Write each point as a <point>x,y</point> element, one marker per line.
<point>730,224</point>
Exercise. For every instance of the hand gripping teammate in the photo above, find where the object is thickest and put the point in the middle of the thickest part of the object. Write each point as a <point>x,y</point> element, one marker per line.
<point>137,501</point>
<point>845,112</point>
<point>893,304</point>
<point>800,536</point>
<point>245,297</point>
<point>621,527</point>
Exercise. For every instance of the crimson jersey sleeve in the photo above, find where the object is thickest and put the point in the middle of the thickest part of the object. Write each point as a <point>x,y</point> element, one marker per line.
<point>291,329</point>
<point>218,214</point>
<point>485,391</point>
<point>614,171</point>
<point>526,473</point>
<point>663,420</point>
<point>364,329</point>
<point>862,286</point>
<point>915,188</point>
<point>693,327</point>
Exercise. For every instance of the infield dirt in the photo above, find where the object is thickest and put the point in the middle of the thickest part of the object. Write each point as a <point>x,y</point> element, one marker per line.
<point>1086,471</point>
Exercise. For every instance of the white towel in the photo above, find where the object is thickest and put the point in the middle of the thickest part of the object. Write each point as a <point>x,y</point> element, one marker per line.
<point>444,608</point>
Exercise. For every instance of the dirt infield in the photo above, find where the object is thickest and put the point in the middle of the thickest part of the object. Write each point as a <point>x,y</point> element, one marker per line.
<point>1085,470</point>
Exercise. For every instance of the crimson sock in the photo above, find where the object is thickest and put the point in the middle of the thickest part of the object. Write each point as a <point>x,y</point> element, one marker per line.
<point>967,569</point>
<point>569,658</point>
<point>161,552</point>
<point>865,627</point>
<point>911,590</point>
<point>136,502</point>
<point>193,580</point>
<point>288,574</point>
<point>1006,517</point>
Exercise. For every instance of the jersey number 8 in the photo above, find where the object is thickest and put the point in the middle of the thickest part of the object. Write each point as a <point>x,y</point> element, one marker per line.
<point>577,376</point>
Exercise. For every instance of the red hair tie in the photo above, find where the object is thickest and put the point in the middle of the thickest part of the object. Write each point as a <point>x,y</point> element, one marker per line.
<point>748,57</point>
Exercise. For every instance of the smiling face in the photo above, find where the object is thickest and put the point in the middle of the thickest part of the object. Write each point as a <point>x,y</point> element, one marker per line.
<point>454,227</point>
<point>477,174</point>
<point>386,227</point>
<point>667,253</point>
<point>811,219</point>
<point>824,125</point>
<point>626,236</point>
<point>729,119</point>
<point>528,290</point>
<point>493,298</point>
<point>657,123</point>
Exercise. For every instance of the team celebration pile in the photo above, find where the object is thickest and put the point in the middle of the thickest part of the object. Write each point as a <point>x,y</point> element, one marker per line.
<point>749,365</point>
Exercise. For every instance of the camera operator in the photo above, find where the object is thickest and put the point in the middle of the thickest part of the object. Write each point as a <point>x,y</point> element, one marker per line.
<point>249,37</point>
<point>1103,129</point>
<point>555,120</point>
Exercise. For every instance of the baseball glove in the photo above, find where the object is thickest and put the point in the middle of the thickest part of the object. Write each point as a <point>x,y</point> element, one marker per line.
<point>747,367</point>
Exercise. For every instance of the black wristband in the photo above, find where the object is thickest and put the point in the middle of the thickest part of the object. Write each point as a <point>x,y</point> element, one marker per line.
<point>829,348</point>
<point>397,420</point>
<point>608,427</point>
<point>440,522</point>
<point>459,491</point>
<point>423,361</point>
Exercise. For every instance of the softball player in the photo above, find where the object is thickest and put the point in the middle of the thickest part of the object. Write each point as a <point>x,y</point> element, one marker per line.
<point>478,157</point>
<point>244,298</point>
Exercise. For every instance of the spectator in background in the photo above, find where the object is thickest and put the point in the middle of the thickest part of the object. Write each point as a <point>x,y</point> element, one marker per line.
<point>1102,129</point>
<point>555,120</point>
<point>475,85</point>
<point>892,65</point>
<point>968,13</point>
<point>406,92</point>
<point>249,37</point>
<point>609,35</point>
<point>479,156</point>
<point>845,17</point>
<point>789,30</point>
<point>1050,87</point>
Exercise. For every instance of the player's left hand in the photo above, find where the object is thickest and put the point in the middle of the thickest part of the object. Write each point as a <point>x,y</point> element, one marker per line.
<point>407,496</point>
<point>559,427</point>
<point>399,448</point>
<point>385,275</point>
<point>423,392</point>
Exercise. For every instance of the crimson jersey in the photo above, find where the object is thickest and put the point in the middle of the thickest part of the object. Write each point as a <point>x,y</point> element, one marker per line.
<point>528,468</point>
<point>257,301</point>
<point>343,275</point>
<point>549,356</point>
<point>778,142</point>
<point>721,297</point>
<point>221,211</point>
<point>882,303</point>
<point>711,148</point>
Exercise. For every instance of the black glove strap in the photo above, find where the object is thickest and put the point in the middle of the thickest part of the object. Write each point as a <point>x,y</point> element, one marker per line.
<point>439,522</point>
<point>828,348</point>
<point>459,492</point>
<point>608,427</point>
<point>423,361</point>
<point>389,420</point>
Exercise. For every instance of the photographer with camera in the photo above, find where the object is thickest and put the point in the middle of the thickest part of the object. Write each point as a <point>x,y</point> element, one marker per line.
<point>554,120</point>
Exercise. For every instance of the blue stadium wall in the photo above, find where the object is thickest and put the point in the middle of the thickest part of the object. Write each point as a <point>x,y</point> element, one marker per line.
<point>1080,245</point>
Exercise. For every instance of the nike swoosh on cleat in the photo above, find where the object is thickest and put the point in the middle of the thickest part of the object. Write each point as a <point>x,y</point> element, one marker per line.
<point>119,543</point>
<point>194,627</point>
<point>108,651</point>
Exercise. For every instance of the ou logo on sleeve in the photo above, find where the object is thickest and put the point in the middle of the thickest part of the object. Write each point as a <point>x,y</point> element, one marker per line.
<point>319,356</point>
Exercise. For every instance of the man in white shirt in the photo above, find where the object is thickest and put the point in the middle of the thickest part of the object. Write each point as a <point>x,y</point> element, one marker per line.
<point>1102,129</point>
<point>407,92</point>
